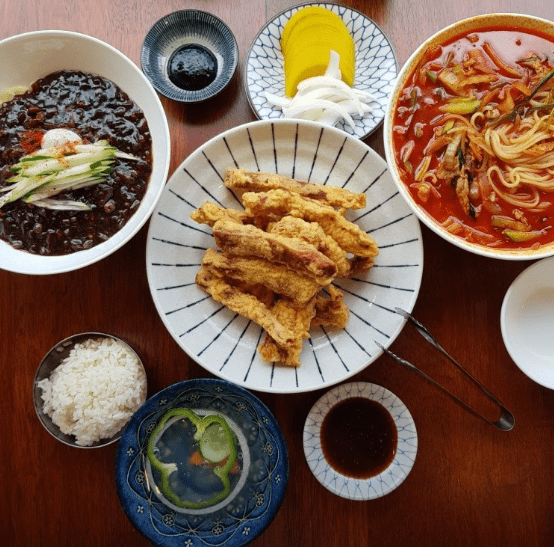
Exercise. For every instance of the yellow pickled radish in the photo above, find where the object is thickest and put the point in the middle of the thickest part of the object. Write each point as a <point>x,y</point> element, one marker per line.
<point>321,28</point>
<point>307,39</point>
<point>291,23</point>
<point>310,16</point>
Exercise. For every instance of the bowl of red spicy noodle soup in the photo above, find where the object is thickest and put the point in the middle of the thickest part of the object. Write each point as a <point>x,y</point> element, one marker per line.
<point>469,135</point>
<point>84,151</point>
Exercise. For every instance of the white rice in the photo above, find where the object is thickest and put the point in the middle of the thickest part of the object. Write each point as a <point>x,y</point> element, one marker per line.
<point>94,391</point>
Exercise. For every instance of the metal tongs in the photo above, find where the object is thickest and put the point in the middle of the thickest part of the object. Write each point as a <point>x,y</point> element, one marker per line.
<point>506,420</point>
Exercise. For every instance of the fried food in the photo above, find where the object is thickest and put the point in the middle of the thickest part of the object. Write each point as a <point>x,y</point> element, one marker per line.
<point>246,240</point>
<point>258,271</point>
<point>298,319</point>
<point>246,305</point>
<point>279,203</point>
<point>209,213</point>
<point>360,264</point>
<point>263,293</point>
<point>331,311</point>
<point>277,259</point>
<point>256,181</point>
<point>311,232</point>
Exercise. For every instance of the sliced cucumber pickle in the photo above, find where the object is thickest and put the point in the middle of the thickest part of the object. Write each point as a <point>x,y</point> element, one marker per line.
<point>215,443</point>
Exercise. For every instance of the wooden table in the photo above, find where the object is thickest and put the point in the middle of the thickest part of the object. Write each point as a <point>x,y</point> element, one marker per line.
<point>471,484</point>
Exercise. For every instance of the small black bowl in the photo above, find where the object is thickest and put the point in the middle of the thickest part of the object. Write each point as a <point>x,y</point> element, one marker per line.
<point>190,34</point>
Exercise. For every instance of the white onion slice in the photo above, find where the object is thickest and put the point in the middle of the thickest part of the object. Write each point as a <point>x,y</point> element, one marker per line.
<point>325,99</point>
<point>296,110</point>
<point>333,68</point>
<point>322,81</point>
<point>276,100</point>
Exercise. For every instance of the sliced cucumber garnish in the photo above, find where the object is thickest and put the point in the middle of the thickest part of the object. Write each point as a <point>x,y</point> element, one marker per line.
<point>215,443</point>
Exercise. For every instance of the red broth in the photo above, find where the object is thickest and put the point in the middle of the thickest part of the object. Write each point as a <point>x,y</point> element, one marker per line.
<point>419,116</point>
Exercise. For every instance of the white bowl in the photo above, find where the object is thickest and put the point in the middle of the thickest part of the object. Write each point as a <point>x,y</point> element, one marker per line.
<point>507,20</point>
<point>527,322</point>
<point>27,57</point>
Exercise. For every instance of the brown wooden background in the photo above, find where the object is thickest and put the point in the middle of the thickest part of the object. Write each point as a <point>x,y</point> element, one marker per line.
<point>471,485</point>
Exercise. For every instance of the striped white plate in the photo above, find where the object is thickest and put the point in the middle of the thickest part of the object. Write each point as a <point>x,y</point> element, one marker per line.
<point>225,343</point>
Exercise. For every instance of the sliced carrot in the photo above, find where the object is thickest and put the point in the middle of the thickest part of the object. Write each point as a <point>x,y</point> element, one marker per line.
<point>196,459</point>
<point>520,86</point>
<point>507,105</point>
<point>502,66</point>
<point>488,97</point>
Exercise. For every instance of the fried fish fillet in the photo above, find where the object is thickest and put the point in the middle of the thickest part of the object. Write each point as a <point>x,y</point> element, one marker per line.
<point>256,181</point>
<point>298,319</point>
<point>278,203</point>
<point>313,233</point>
<point>209,213</point>
<point>247,240</point>
<point>257,271</point>
<point>360,264</point>
<point>331,311</point>
<point>246,305</point>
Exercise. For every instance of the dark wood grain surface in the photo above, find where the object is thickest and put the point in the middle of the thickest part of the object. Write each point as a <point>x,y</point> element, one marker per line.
<point>471,484</point>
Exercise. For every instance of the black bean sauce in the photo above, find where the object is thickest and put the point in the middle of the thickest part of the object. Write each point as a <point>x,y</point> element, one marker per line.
<point>192,67</point>
<point>94,108</point>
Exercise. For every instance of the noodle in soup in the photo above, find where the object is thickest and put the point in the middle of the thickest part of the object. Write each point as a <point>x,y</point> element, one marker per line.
<point>474,137</point>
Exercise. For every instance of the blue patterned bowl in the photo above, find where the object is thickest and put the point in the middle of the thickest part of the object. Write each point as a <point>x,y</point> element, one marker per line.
<point>376,66</point>
<point>387,480</point>
<point>253,501</point>
<point>185,28</point>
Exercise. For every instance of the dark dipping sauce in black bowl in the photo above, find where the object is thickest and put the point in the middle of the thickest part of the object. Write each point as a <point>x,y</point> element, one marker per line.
<point>192,67</point>
<point>359,438</point>
<point>95,108</point>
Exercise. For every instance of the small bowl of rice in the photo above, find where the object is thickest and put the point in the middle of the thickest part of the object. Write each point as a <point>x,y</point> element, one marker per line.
<point>87,387</point>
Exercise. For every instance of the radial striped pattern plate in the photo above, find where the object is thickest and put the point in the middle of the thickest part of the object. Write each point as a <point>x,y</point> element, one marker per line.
<point>184,27</point>
<point>225,343</point>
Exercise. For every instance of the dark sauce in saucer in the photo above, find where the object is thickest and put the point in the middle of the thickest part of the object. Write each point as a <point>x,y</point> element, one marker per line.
<point>359,437</point>
<point>192,67</point>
